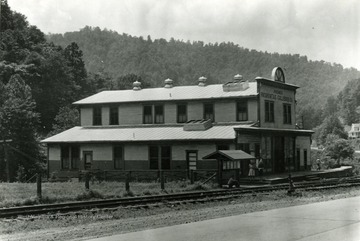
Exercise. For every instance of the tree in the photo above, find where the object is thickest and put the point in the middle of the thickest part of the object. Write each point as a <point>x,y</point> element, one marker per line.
<point>338,148</point>
<point>73,55</point>
<point>331,125</point>
<point>18,122</point>
<point>6,16</point>
<point>66,118</point>
<point>126,82</point>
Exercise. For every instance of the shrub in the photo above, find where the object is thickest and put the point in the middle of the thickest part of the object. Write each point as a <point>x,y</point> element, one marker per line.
<point>89,195</point>
<point>129,194</point>
<point>198,186</point>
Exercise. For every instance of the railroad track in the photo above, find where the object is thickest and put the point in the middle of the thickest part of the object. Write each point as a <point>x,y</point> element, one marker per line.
<point>200,196</point>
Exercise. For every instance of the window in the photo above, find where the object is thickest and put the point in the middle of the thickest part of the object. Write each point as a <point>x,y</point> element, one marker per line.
<point>114,116</point>
<point>209,112</point>
<point>65,160</point>
<point>269,111</point>
<point>75,157</point>
<point>181,113</point>
<point>244,147</point>
<point>97,116</point>
<point>159,154</point>
<point>159,114</point>
<point>242,113</point>
<point>148,119</point>
<point>70,157</point>
<point>118,157</point>
<point>165,157</point>
<point>287,113</point>
<point>257,150</point>
<point>222,147</point>
<point>153,157</point>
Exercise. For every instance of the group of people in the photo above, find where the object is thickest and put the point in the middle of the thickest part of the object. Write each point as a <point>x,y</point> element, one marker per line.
<point>253,168</point>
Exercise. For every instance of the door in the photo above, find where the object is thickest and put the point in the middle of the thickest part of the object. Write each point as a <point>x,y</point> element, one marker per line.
<point>88,157</point>
<point>279,154</point>
<point>191,159</point>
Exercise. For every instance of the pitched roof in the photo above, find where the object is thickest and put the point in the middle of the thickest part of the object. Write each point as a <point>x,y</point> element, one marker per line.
<point>192,92</point>
<point>230,154</point>
<point>136,134</point>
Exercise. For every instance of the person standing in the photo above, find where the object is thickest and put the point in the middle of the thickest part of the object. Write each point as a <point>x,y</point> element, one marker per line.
<point>252,169</point>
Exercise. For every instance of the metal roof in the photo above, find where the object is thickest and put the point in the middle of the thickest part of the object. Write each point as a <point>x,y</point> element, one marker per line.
<point>230,154</point>
<point>273,130</point>
<point>138,134</point>
<point>166,94</point>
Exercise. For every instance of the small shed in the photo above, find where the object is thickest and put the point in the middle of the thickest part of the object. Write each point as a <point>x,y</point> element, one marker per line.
<point>231,163</point>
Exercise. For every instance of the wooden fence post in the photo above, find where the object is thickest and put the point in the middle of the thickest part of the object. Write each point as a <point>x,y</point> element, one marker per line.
<point>38,185</point>
<point>87,180</point>
<point>127,182</point>
<point>192,177</point>
<point>162,180</point>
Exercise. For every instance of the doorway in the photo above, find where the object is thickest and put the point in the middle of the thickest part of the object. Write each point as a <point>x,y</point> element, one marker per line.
<point>191,159</point>
<point>88,158</point>
<point>279,157</point>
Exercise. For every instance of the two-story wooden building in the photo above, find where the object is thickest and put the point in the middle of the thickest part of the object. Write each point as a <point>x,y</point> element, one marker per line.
<point>174,127</point>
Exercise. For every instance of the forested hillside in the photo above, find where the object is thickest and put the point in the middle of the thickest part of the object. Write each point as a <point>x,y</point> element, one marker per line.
<point>184,62</point>
<point>37,78</point>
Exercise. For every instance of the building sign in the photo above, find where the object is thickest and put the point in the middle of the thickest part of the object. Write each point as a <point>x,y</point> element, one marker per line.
<point>276,95</point>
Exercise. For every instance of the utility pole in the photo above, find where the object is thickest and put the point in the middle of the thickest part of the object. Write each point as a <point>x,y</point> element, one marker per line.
<point>0,14</point>
<point>6,159</point>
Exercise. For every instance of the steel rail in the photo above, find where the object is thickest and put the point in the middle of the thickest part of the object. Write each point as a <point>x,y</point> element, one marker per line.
<point>145,200</point>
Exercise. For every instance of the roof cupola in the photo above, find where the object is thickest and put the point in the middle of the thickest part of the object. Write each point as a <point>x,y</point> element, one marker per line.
<point>238,78</point>
<point>202,81</point>
<point>137,85</point>
<point>169,83</point>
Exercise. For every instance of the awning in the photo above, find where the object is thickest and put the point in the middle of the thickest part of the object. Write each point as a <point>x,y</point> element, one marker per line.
<point>274,131</point>
<point>232,155</point>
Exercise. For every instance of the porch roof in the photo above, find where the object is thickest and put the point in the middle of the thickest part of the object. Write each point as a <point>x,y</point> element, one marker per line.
<point>293,132</point>
<point>233,155</point>
<point>138,134</point>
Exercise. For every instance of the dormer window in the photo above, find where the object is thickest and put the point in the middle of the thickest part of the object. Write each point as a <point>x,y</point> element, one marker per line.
<point>97,116</point>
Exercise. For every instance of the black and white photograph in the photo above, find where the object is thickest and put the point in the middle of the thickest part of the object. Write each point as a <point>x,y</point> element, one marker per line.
<point>180,120</point>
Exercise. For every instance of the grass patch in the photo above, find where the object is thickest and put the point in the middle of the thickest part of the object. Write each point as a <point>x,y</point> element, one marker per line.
<point>18,194</point>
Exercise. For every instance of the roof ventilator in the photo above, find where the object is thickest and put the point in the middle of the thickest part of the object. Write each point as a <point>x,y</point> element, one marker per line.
<point>137,85</point>
<point>197,125</point>
<point>202,81</point>
<point>169,83</point>
<point>238,84</point>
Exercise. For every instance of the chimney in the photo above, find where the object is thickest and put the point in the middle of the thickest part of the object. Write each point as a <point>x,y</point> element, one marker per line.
<point>168,83</point>
<point>202,81</point>
<point>137,85</point>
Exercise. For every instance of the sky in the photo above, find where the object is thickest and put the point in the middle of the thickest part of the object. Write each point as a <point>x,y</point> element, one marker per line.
<point>326,30</point>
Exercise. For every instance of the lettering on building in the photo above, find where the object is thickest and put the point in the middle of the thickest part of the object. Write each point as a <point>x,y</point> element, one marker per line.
<point>277,95</point>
